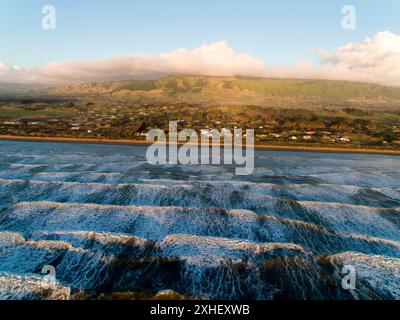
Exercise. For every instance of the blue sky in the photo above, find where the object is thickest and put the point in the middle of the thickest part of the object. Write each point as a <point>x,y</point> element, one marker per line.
<point>277,32</point>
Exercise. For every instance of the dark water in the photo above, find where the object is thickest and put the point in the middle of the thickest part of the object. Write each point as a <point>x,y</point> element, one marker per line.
<point>109,222</point>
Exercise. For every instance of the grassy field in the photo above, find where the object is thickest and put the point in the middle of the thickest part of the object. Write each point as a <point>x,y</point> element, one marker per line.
<point>20,111</point>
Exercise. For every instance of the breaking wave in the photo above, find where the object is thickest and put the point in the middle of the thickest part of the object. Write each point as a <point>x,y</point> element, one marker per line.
<point>110,223</point>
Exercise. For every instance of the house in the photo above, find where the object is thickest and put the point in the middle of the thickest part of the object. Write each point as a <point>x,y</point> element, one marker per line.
<point>275,135</point>
<point>141,134</point>
<point>11,123</point>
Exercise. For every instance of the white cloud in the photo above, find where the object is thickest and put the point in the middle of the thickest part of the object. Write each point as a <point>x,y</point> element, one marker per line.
<point>210,59</point>
<point>376,60</point>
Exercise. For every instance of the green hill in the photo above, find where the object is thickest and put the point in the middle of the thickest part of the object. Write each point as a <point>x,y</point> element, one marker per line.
<point>240,90</point>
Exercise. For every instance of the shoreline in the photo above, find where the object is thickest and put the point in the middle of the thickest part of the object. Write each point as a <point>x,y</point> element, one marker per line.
<point>146,143</point>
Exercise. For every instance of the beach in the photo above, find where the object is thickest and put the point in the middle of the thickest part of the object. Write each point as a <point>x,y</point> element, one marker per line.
<point>257,146</point>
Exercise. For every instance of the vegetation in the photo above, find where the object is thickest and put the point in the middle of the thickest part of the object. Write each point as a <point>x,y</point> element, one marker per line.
<point>288,93</point>
<point>320,127</point>
<point>282,112</point>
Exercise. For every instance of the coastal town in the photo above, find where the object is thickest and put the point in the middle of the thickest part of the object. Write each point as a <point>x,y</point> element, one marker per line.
<point>132,121</point>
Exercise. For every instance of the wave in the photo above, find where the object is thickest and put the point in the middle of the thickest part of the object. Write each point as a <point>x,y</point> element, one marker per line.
<point>210,248</point>
<point>121,167</point>
<point>378,272</point>
<point>358,219</point>
<point>204,267</point>
<point>110,223</point>
<point>114,188</point>
<point>30,287</point>
<point>241,195</point>
<point>133,194</point>
<point>302,192</point>
<point>82,176</point>
<point>156,223</point>
<point>375,222</point>
<point>369,180</point>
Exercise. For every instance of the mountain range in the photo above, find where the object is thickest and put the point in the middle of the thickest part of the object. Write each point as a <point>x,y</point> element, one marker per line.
<point>229,90</point>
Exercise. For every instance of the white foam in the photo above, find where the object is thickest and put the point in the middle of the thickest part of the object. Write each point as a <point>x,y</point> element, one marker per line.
<point>31,287</point>
<point>355,219</point>
<point>380,272</point>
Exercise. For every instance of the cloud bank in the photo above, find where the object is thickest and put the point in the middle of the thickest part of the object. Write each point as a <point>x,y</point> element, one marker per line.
<point>375,59</point>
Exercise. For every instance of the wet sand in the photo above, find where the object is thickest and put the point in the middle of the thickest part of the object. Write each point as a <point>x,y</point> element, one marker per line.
<point>257,147</point>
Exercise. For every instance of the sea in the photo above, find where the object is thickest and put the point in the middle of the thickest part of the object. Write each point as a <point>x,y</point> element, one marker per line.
<point>96,221</point>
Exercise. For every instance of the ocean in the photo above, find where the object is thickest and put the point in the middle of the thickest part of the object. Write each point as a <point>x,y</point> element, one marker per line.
<point>114,226</point>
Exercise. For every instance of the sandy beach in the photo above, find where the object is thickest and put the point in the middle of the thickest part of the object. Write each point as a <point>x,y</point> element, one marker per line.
<point>257,147</point>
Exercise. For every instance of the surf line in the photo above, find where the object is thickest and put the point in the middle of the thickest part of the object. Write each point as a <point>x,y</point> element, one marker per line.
<point>188,152</point>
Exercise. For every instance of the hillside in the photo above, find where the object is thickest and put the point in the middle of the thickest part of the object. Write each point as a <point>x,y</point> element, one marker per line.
<point>240,90</point>
<point>10,89</point>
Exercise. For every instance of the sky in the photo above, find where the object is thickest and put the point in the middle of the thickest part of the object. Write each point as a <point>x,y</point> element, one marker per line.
<point>96,40</point>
